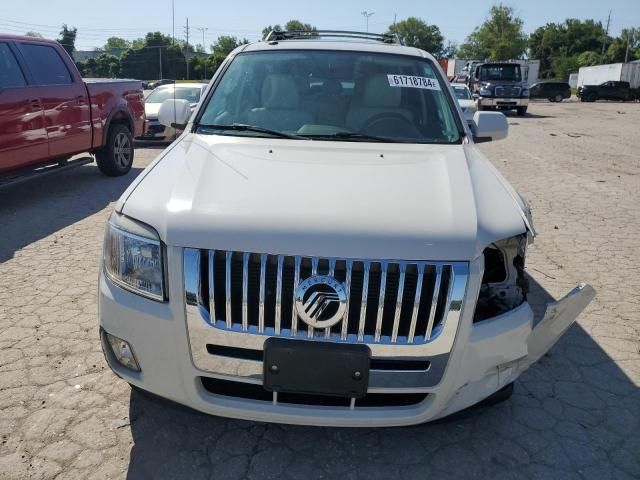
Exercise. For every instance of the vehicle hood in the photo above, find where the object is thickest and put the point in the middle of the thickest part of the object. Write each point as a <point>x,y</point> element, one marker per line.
<point>333,199</point>
<point>151,110</point>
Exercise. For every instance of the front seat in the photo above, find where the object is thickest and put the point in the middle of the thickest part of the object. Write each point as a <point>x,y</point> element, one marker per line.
<point>376,97</point>
<point>280,105</point>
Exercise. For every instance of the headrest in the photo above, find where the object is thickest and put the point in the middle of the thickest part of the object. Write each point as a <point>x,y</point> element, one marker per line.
<point>279,91</point>
<point>379,94</point>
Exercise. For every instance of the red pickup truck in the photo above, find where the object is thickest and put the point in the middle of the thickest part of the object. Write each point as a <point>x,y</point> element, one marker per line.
<point>48,113</point>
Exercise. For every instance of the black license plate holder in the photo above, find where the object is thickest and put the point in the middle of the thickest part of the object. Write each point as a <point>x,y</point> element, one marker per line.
<point>316,368</point>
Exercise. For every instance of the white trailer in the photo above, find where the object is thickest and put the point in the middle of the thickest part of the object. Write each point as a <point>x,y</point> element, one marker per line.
<point>454,66</point>
<point>617,72</point>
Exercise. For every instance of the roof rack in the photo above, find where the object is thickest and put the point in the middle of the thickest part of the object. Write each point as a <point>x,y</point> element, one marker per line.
<point>278,35</point>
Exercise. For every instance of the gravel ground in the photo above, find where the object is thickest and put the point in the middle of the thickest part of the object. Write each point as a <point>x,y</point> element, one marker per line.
<point>574,415</point>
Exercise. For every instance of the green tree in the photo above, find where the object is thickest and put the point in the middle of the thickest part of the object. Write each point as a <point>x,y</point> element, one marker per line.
<point>587,59</point>
<point>68,38</point>
<point>146,57</point>
<point>34,34</point>
<point>116,43</point>
<point>101,66</point>
<point>291,25</point>
<point>415,32</point>
<point>500,37</point>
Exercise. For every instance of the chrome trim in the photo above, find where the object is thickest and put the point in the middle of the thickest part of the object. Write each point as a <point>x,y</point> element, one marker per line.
<point>263,273</point>
<point>383,291</point>
<point>416,303</point>
<point>296,282</point>
<point>436,350</point>
<point>347,286</point>
<point>245,291</point>
<point>212,306</point>
<point>434,302</point>
<point>365,296</point>
<point>278,312</point>
<point>228,289</point>
<point>396,317</point>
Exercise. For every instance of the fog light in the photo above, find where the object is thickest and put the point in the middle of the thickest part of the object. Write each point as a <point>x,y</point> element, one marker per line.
<point>123,352</point>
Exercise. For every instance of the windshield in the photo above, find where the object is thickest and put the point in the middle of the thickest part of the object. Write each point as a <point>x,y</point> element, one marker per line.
<point>320,95</point>
<point>192,94</point>
<point>462,92</point>
<point>510,72</point>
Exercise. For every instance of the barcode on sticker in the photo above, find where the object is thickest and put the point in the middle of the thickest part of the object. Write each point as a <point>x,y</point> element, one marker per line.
<point>410,81</point>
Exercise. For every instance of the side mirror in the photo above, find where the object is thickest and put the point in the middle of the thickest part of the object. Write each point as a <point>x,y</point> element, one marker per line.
<point>489,126</point>
<point>174,113</point>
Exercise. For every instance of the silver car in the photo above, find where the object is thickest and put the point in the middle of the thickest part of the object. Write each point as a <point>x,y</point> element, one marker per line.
<point>157,132</point>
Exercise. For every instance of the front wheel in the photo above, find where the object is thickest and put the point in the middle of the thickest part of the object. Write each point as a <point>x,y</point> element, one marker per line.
<point>521,111</point>
<point>558,98</point>
<point>116,157</point>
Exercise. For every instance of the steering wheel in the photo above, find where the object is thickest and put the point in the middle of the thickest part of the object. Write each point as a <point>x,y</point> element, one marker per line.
<point>391,124</point>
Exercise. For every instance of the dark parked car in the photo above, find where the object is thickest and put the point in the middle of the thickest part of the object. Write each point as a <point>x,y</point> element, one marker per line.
<point>606,91</point>
<point>159,83</point>
<point>553,91</point>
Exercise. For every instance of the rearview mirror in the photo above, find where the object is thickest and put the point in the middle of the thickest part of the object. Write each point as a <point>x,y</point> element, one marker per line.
<point>174,113</point>
<point>489,126</point>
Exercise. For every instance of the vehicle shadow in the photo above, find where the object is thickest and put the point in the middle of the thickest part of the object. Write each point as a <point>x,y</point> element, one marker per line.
<point>40,207</point>
<point>559,413</point>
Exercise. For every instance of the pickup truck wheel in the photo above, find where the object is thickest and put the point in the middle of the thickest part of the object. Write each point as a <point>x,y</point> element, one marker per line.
<point>116,157</point>
<point>521,111</point>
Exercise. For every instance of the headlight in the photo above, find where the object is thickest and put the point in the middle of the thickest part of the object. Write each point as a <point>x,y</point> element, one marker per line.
<point>133,257</point>
<point>486,91</point>
<point>504,284</point>
<point>525,92</point>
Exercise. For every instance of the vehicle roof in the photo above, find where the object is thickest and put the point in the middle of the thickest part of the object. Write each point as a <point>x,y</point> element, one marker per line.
<point>6,36</point>
<point>335,45</point>
<point>456,84</point>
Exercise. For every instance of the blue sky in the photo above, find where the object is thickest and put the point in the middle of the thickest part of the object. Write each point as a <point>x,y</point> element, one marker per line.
<point>97,20</point>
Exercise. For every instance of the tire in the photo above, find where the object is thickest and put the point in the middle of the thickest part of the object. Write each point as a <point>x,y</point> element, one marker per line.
<point>551,99</point>
<point>116,157</point>
<point>500,396</point>
<point>558,98</point>
<point>522,111</point>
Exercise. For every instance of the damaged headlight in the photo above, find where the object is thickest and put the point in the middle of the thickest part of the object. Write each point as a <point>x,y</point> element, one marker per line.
<point>504,284</point>
<point>133,257</point>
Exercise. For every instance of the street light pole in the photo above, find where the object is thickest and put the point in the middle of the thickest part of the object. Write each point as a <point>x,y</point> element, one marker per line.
<point>204,29</point>
<point>366,15</point>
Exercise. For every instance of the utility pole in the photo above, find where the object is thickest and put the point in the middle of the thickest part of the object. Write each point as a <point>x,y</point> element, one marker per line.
<point>604,40</point>
<point>173,22</point>
<point>160,53</point>
<point>204,29</point>
<point>366,15</point>
<point>186,47</point>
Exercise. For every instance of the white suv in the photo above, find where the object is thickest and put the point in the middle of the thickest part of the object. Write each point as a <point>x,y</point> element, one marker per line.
<point>324,245</point>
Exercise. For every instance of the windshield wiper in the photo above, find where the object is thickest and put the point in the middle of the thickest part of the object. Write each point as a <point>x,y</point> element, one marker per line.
<point>356,136</point>
<point>241,127</point>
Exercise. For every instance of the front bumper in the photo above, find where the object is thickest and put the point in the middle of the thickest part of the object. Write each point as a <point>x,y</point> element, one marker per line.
<point>156,132</point>
<point>503,102</point>
<point>484,358</point>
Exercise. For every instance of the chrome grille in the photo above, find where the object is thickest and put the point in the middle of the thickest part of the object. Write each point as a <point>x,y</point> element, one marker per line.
<point>508,91</point>
<point>394,302</point>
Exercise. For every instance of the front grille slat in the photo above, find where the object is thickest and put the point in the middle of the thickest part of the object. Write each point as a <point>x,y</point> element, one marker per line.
<point>245,291</point>
<point>278,318</point>
<point>383,290</point>
<point>434,302</point>
<point>228,289</point>
<point>395,302</point>
<point>396,317</point>
<point>212,295</point>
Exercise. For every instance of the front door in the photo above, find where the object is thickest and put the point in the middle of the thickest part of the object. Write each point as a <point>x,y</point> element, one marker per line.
<point>64,100</point>
<point>23,137</point>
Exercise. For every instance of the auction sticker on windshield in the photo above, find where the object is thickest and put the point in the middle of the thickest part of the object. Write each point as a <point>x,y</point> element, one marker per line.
<point>410,81</point>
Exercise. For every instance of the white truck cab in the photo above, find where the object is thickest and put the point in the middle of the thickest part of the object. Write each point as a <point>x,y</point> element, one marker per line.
<point>324,245</point>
